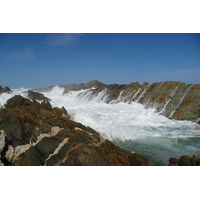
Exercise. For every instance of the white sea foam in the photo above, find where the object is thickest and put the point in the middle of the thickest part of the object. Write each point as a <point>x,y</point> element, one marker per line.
<point>124,122</point>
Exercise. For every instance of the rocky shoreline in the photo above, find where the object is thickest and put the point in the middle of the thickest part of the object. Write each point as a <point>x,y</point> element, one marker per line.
<point>35,134</point>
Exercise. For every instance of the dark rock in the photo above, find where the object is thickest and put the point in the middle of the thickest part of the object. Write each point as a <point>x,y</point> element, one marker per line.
<point>17,100</point>
<point>194,161</point>
<point>173,161</point>
<point>6,89</point>
<point>46,105</point>
<point>185,160</point>
<point>37,96</point>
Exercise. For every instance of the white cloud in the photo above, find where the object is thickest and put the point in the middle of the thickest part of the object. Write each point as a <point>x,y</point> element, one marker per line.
<point>21,55</point>
<point>62,39</point>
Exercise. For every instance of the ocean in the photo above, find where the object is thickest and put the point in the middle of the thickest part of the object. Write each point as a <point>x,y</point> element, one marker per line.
<point>128,125</point>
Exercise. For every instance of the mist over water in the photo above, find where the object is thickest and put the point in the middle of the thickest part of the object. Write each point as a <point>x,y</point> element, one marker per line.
<point>128,125</point>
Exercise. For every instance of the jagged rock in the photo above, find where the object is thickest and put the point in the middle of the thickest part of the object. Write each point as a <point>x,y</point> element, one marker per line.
<point>37,96</point>
<point>6,89</point>
<point>38,134</point>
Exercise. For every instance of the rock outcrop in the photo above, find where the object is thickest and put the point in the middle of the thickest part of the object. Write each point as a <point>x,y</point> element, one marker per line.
<point>175,100</point>
<point>36,96</point>
<point>35,134</point>
<point>6,89</point>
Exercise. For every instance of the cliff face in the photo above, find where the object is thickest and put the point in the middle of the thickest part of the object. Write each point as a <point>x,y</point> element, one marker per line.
<point>34,134</point>
<point>175,100</point>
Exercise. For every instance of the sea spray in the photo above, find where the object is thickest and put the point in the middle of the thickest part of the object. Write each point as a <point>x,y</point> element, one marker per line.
<point>128,125</point>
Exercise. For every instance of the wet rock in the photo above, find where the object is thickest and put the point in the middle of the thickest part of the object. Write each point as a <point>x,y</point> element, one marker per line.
<point>194,161</point>
<point>38,134</point>
<point>173,99</point>
<point>185,160</point>
<point>37,96</point>
<point>173,161</point>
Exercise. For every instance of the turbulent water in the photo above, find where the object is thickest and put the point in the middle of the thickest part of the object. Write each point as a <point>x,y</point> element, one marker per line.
<point>128,125</point>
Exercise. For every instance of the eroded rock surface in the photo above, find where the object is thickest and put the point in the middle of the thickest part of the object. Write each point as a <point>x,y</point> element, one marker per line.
<point>34,134</point>
<point>175,100</point>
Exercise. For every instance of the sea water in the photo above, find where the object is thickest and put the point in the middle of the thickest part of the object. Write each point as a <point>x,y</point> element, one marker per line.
<point>128,125</point>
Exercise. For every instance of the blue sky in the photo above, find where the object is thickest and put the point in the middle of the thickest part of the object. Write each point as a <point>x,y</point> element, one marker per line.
<point>37,60</point>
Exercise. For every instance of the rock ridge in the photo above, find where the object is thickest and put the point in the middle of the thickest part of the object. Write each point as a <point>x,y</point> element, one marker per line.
<point>36,134</point>
<point>175,100</point>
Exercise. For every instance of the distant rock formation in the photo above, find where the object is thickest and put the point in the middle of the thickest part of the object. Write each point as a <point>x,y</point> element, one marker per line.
<point>35,134</point>
<point>75,87</point>
<point>175,100</point>
<point>37,96</point>
<point>6,89</point>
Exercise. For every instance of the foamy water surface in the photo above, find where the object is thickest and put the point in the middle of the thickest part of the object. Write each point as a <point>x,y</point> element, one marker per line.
<point>129,126</point>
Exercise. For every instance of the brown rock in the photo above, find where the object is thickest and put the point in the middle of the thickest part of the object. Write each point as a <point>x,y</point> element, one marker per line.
<point>173,161</point>
<point>195,160</point>
<point>185,160</point>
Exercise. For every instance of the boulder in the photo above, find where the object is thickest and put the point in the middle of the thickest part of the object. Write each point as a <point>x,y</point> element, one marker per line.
<point>37,96</point>
<point>185,160</point>
<point>195,161</point>
<point>173,161</point>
